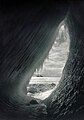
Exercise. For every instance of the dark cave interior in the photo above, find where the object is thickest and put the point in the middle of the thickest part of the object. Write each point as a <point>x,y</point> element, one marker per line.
<point>27,32</point>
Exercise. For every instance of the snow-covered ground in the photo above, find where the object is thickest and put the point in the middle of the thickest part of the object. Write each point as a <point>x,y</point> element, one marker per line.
<point>38,81</point>
<point>41,95</point>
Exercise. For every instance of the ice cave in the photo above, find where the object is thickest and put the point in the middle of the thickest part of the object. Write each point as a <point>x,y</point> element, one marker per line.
<point>28,31</point>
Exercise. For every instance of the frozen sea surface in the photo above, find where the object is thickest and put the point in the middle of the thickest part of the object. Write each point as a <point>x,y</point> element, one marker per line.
<point>42,95</point>
<point>44,80</point>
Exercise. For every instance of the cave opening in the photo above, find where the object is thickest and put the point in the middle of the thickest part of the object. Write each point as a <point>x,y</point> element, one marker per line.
<point>47,76</point>
<point>18,63</point>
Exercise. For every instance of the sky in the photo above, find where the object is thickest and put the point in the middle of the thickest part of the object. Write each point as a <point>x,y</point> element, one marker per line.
<point>56,60</point>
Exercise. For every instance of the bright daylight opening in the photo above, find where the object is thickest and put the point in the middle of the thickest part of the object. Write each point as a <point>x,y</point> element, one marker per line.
<point>48,75</point>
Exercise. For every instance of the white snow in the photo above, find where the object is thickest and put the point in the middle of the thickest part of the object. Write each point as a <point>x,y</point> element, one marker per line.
<point>42,95</point>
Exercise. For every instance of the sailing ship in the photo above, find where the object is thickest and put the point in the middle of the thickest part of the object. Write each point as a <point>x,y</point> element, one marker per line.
<point>38,71</point>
